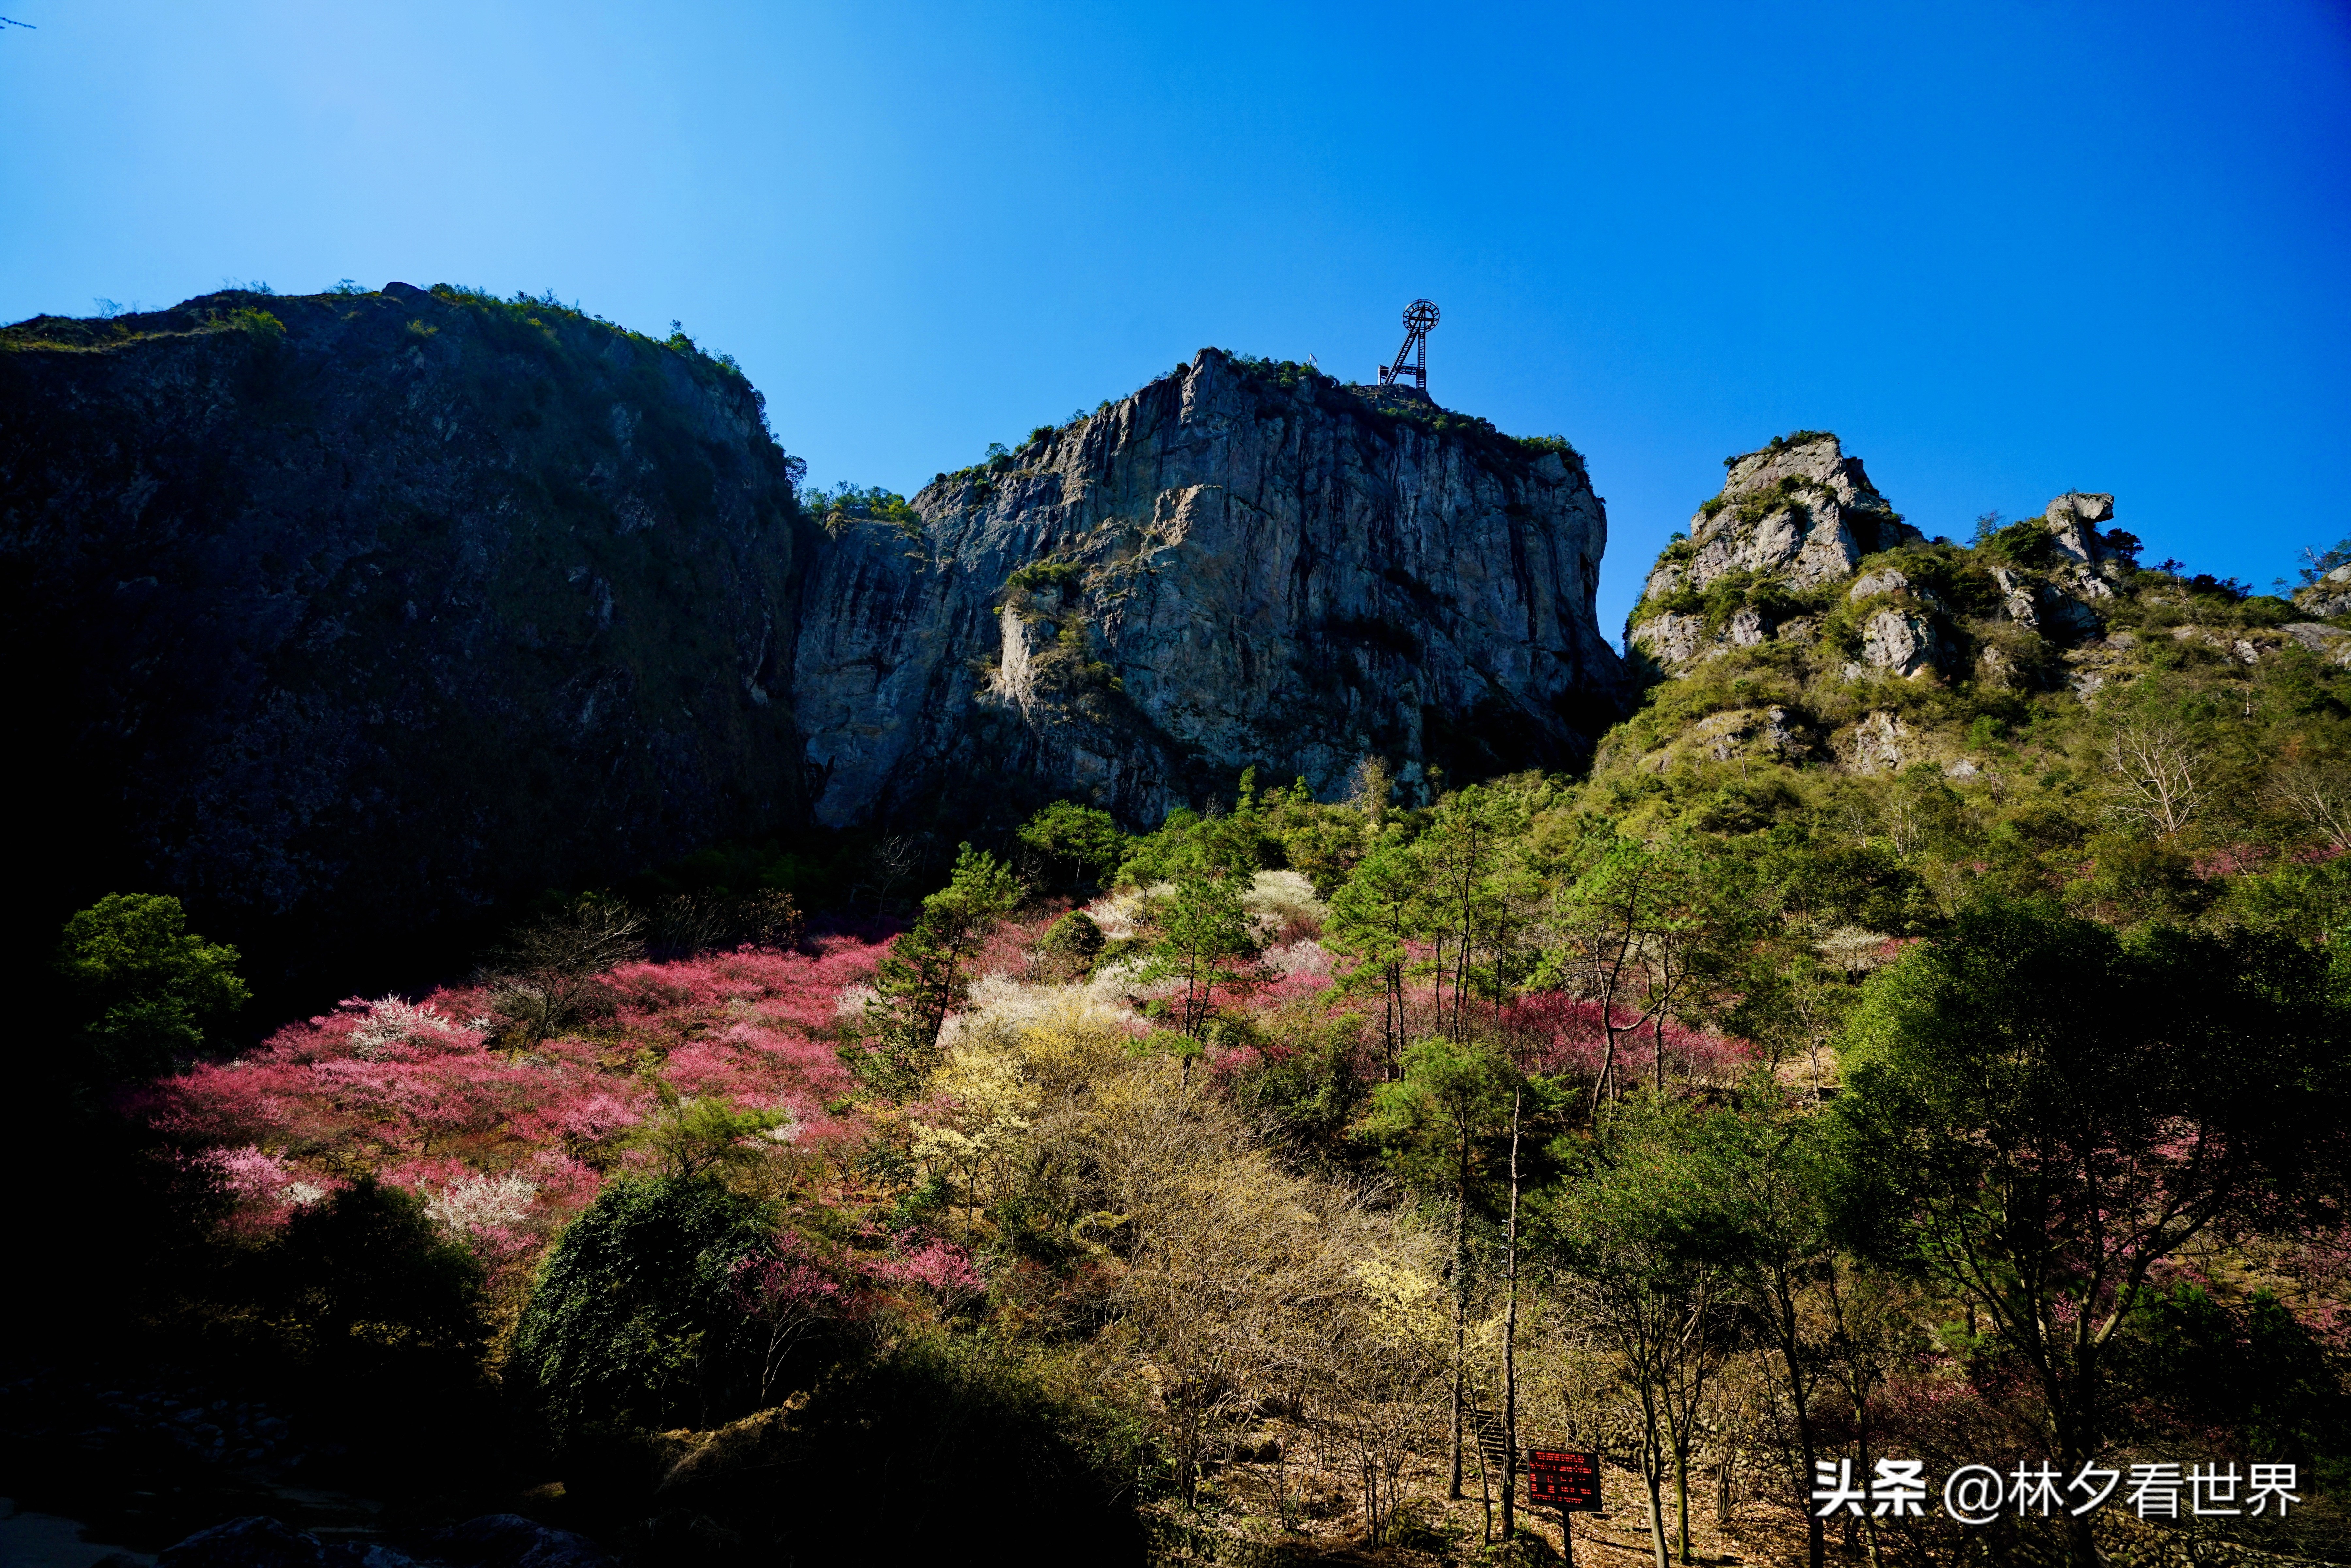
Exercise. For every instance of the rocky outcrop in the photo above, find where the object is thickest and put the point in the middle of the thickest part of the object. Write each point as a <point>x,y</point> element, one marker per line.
<point>1238,565</point>
<point>1799,513</point>
<point>1898,642</point>
<point>2329,597</point>
<point>1799,509</point>
<point>1774,557</point>
<point>354,613</point>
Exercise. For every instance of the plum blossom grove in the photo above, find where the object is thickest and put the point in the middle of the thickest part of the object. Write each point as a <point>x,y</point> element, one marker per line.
<point>506,1146</point>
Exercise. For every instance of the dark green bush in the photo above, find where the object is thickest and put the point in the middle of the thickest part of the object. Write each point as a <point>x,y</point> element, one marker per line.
<point>147,986</point>
<point>913,1457</point>
<point>634,1317</point>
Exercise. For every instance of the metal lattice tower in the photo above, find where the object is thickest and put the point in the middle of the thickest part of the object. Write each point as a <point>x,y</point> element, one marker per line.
<point>1418,318</point>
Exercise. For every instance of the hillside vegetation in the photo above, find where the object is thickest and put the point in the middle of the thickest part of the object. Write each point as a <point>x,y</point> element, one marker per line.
<point>1920,1036</point>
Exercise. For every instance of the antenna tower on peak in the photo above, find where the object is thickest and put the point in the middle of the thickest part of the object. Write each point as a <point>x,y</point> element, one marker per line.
<point>1418,318</point>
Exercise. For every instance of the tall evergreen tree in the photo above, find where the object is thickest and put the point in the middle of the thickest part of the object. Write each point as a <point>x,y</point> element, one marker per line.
<point>926,973</point>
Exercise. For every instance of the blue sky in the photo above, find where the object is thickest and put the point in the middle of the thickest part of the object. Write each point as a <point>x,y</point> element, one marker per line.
<point>2004,249</point>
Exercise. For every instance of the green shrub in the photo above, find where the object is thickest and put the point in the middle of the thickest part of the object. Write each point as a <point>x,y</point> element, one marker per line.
<point>1539,445</point>
<point>1076,937</point>
<point>1045,577</point>
<point>2027,544</point>
<point>634,1318</point>
<point>935,1439</point>
<point>147,986</point>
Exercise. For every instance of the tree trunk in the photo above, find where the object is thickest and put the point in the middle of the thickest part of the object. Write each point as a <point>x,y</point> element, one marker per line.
<point>1681,1497</point>
<point>1816,1543</point>
<point>1653,1477</point>
<point>1460,1308</point>
<point>1510,1337</point>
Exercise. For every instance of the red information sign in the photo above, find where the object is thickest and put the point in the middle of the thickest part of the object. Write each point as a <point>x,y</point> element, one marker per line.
<point>1568,1481</point>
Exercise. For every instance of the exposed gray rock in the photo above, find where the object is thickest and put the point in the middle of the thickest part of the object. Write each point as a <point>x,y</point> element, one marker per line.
<point>2017,598</point>
<point>1738,732</point>
<point>2329,596</point>
<point>2073,520</point>
<point>2318,639</point>
<point>1898,643</point>
<point>1746,629</point>
<point>1246,574</point>
<point>1723,736</point>
<point>2086,584</point>
<point>2069,616</point>
<point>1876,744</point>
<point>410,607</point>
<point>1885,579</point>
<point>1804,512</point>
<point>510,1541</point>
<point>1673,641</point>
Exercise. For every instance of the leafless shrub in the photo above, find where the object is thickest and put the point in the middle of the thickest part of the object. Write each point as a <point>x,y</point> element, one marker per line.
<point>893,860</point>
<point>2320,794</point>
<point>1853,949</point>
<point>2160,778</point>
<point>694,923</point>
<point>550,975</point>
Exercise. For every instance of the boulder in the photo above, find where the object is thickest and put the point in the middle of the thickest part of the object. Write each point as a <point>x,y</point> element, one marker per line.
<point>2318,639</point>
<point>1875,745</point>
<point>510,1541</point>
<point>1885,579</point>
<point>2073,520</point>
<point>1673,641</point>
<point>253,1542</point>
<point>2329,596</point>
<point>1898,643</point>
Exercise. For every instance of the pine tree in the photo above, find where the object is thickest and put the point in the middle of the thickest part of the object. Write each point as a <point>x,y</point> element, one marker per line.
<point>926,973</point>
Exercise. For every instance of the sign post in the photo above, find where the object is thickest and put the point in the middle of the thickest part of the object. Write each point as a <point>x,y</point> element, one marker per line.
<point>1569,1481</point>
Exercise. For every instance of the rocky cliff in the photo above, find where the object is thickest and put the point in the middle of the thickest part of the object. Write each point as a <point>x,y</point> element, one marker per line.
<point>353,614</point>
<point>1801,619</point>
<point>1240,564</point>
<point>358,612</point>
<point>1774,557</point>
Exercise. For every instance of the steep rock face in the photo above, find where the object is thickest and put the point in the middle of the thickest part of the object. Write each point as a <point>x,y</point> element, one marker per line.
<point>372,608</point>
<point>1237,565</point>
<point>1800,509</point>
<point>1765,560</point>
<point>1791,645</point>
